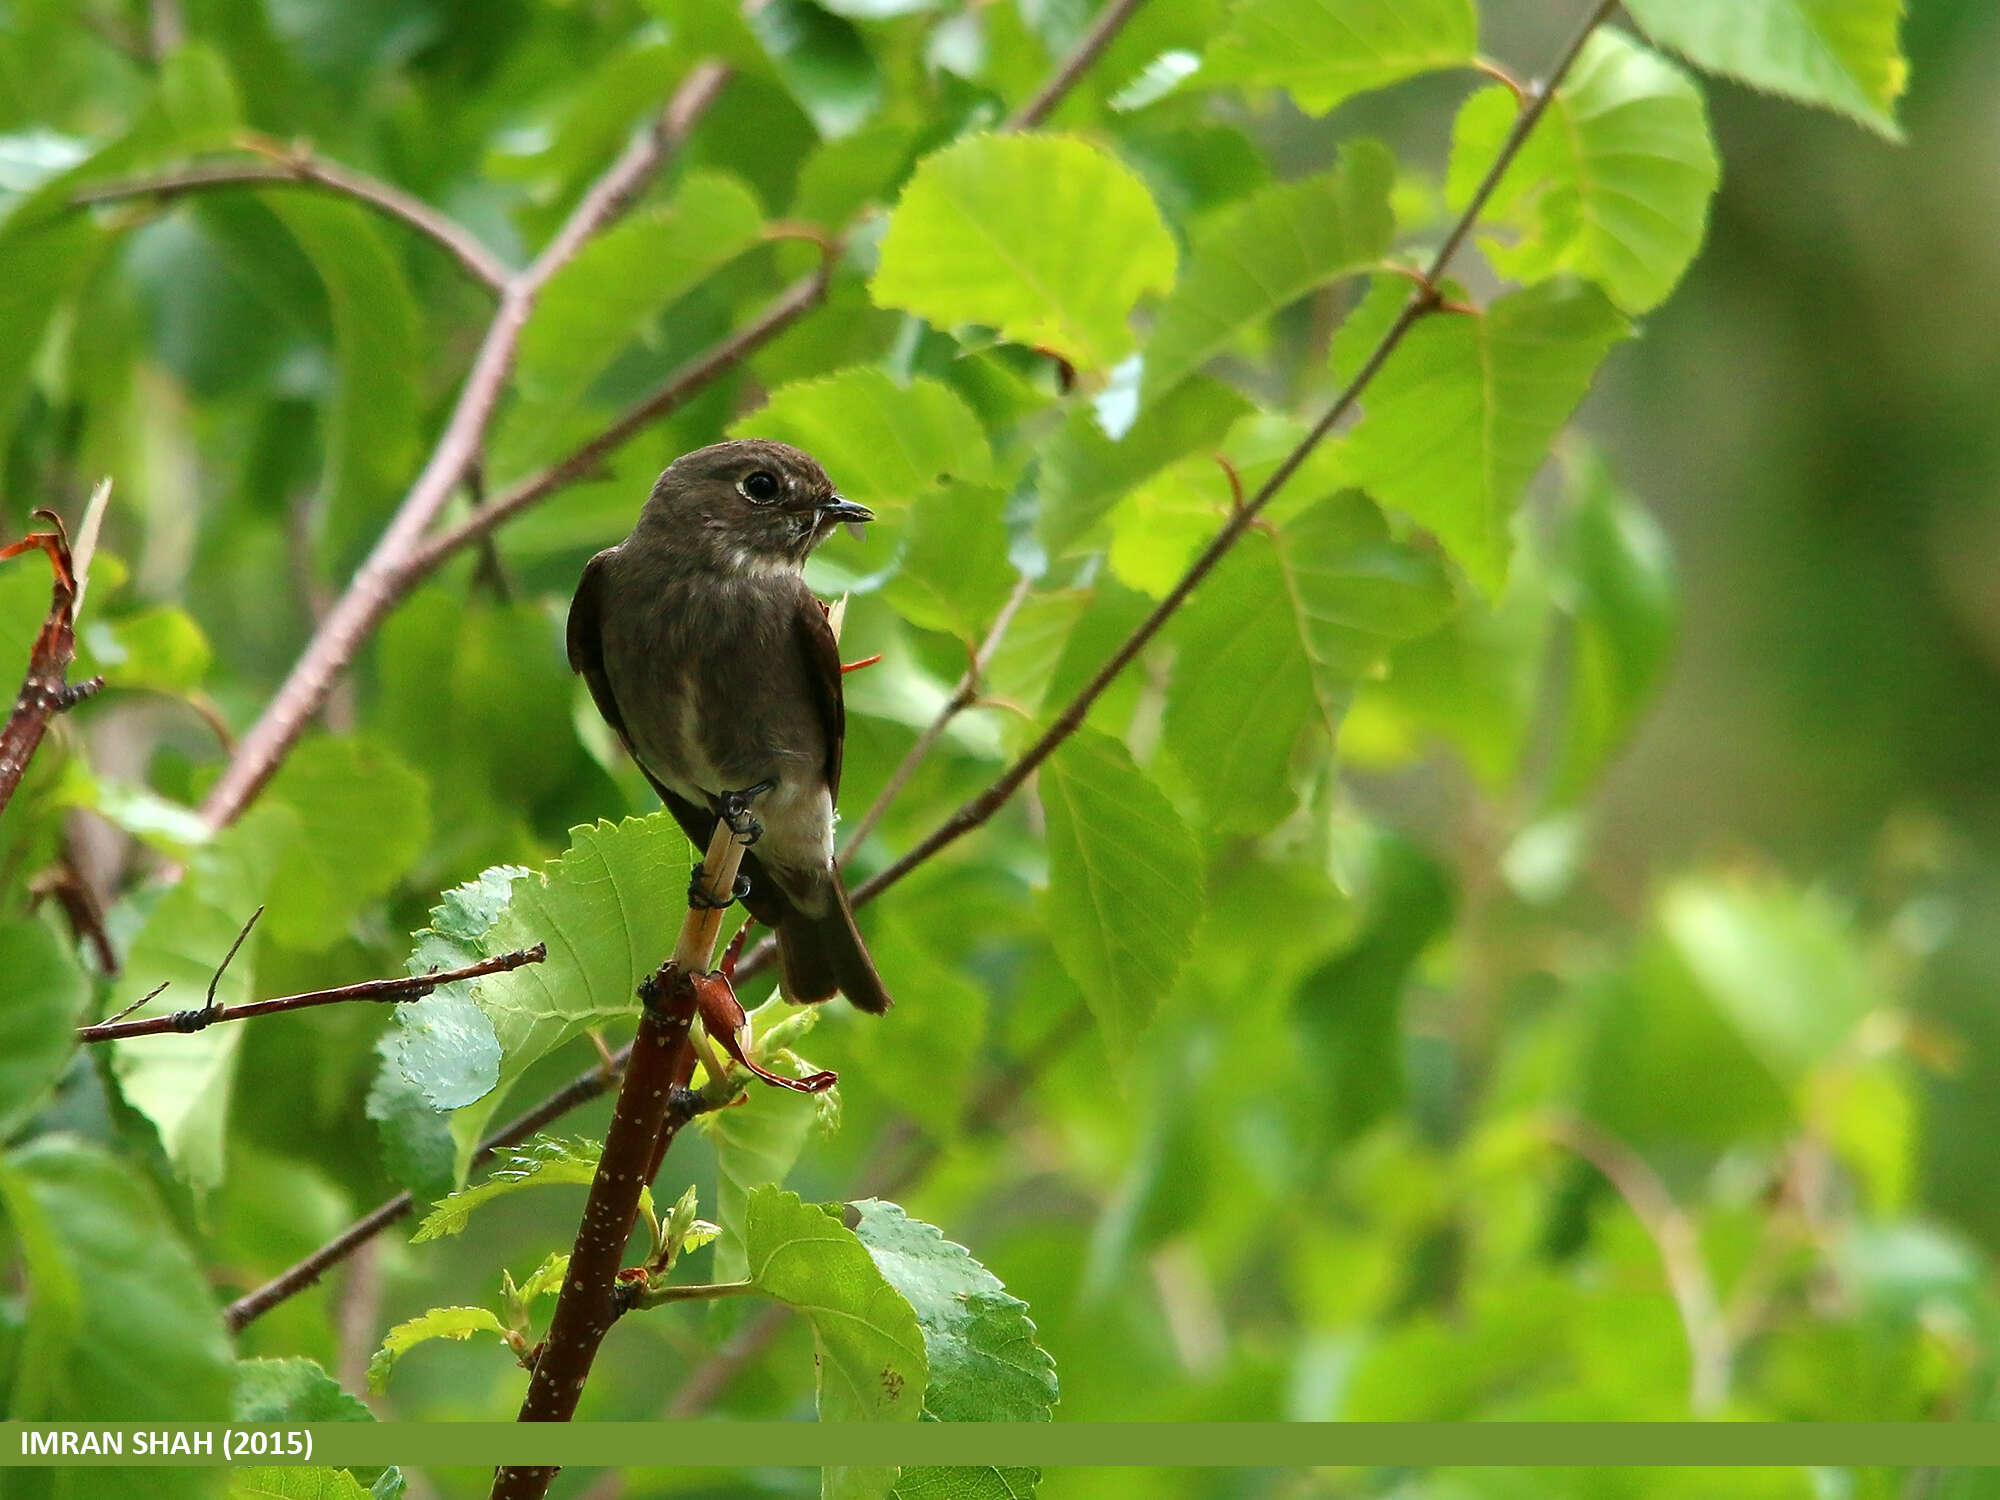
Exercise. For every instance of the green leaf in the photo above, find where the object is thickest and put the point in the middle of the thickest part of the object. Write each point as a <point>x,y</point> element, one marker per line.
<point>446,1047</point>
<point>1462,415</point>
<point>39,273</point>
<point>842,177</point>
<point>756,1147</point>
<point>418,1151</point>
<point>1666,1071</point>
<point>296,1483</point>
<point>121,1324</point>
<point>1778,962</point>
<point>373,427</point>
<point>1124,883</point>
<point>868,1346</point>
<point>985,1365</point>
<point>156,821</point>
<point>1266,252</point>
<point>610,294</point>
<point>1163,522</point>
<point>160,649</point>
<point>1350,1010</point>
<point>290,1390</point>
<point>183,1083</point>
<point>926,1065</point>
<point>45,996</point>
<point>547,1278</point>
<point>966,1483</point>
<point>480,699</point>
<point>1616,582</point>
<point>364,817</point>
<point>953,574</point>
<point>544,1162</point>
<point>1084,472</point>
<point>1278,637</point>
<point>1324,51</point>
<point>1048,239</point>
<point>823,60</point>
<point>438,1323</point>
<point>882,443</point>
<point>1613,185</point>
<point>607,910</point>
<point>1474,684</point>
<point>1842,54</point>
<point>1242,689</point>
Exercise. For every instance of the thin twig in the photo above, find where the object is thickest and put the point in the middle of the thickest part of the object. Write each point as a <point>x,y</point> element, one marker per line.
<point>962,697</point>
<point>382,579</point>
<point>653,1103</point>
<point>296,166</point>
<point>1673,1235</point>
<point>1422,303</point>
<point>209,1007</point>
<point>1052,93</point>
<point>64,884</point>
<point>411,987</point>
<point>169,28</point>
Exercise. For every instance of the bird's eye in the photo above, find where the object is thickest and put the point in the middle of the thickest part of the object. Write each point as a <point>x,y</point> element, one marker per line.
<point>760,488</point>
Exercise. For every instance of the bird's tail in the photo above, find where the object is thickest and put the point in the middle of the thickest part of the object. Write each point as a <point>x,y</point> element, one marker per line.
<point>825,953</point>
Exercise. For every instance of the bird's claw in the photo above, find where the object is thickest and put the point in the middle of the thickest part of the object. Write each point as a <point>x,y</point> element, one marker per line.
<point>703,899</point>
<point>734,809</point>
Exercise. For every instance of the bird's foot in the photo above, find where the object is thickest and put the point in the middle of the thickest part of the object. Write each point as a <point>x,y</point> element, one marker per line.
<point>734,809</point>
<point>701,898</point>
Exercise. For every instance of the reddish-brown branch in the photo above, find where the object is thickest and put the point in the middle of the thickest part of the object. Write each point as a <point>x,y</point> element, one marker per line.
<point>46,690</point>
<point>649,1109</point>
<point>412,987</point>
<point>296,166</point>
<point>653,1103</point>
<point>384,577</point>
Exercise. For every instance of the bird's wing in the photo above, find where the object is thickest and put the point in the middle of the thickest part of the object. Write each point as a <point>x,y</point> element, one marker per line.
<point>821,655</point>
<point>586,655</point>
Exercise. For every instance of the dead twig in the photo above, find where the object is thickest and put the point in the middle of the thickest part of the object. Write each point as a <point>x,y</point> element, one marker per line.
<point>396,991</point>
<point>46,691</point>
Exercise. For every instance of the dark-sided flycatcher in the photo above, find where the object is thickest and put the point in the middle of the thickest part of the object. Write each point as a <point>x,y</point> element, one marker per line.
<point>715,664</point>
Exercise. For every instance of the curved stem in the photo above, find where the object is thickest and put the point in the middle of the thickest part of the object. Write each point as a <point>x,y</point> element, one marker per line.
<point>962,697</point>
<point>283,166</point>
<point>1052,93</point>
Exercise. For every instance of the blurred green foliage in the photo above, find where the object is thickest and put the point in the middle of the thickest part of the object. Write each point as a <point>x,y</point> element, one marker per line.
<point>1509,949</point>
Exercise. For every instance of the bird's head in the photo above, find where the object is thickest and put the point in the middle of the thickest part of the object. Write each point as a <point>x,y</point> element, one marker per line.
<point>752,505</point>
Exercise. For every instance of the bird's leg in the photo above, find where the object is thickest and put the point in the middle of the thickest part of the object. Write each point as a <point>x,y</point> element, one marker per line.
<point>734,809</point>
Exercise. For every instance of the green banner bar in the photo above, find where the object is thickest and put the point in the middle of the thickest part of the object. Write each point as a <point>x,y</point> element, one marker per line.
<point>1048,1445</point>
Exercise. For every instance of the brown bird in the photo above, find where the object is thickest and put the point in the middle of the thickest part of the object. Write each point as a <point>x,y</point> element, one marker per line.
<point>713,661</point>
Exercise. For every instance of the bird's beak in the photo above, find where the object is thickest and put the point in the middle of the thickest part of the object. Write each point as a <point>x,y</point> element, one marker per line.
<point>845,512</point>
<point>838,509</point>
